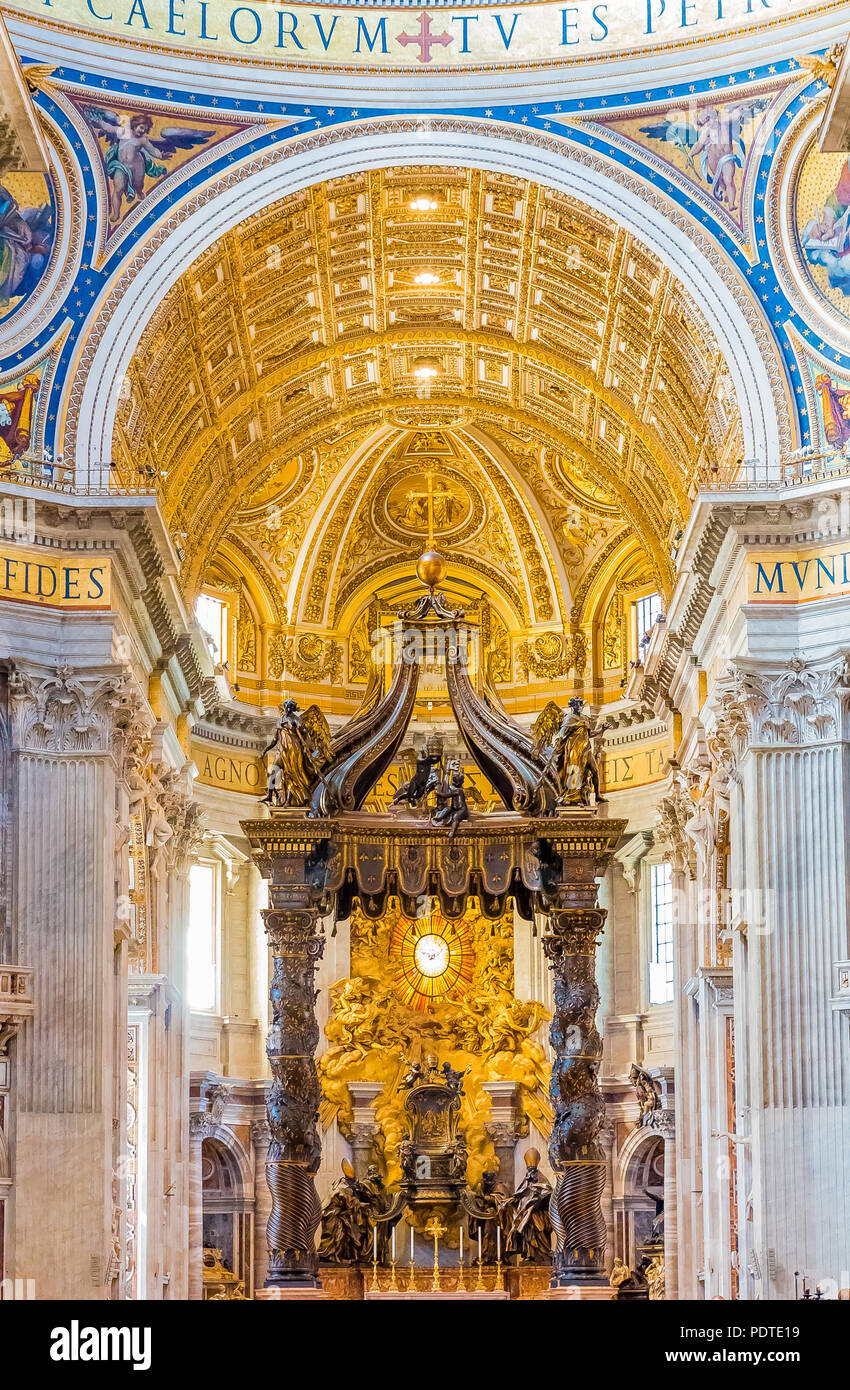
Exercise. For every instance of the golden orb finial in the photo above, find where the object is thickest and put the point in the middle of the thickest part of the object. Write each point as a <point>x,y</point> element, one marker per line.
<point>532,1158</point>
<point>431,568</point>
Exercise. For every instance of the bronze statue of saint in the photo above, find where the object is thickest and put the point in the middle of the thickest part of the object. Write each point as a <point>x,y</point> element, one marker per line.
<point>377,1202</point>
<point>485,1215</point>
<point>346,1229</point>
<point>528,1226</point>
<point>301,746</point>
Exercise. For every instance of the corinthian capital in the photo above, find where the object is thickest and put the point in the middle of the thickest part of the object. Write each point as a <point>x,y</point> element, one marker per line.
<point>676,810</point>
<point>799,704</point>
<point>67,711</point>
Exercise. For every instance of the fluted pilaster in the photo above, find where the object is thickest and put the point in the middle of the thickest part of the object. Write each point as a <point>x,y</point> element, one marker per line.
<point>791,736</point>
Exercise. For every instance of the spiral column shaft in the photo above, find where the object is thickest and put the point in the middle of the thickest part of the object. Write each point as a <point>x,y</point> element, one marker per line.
<point>295,1149</point>
<point>577,1160</point>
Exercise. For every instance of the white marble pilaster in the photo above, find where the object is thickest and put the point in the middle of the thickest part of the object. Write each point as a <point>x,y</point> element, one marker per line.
<point>790,728</point>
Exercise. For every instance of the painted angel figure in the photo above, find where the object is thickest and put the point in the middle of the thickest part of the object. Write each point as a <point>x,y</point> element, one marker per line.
<point>132,154</point>
<point>714,138</point>
<point>301,746</point>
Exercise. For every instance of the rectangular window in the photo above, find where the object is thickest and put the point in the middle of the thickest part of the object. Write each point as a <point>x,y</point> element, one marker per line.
<point>647,610</point>
<point>661,929</point>
<point>202,944</point>
<point>211,614</point>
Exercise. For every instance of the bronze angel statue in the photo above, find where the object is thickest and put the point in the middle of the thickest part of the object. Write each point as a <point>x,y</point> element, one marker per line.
<point>301,747</point>
<point>567,741</point>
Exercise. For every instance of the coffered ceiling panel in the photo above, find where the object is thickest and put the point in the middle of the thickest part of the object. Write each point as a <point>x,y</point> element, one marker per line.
<point>575,386</point>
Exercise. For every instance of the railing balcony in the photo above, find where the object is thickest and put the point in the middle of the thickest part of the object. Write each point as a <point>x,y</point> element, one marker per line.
<point>95,480</point>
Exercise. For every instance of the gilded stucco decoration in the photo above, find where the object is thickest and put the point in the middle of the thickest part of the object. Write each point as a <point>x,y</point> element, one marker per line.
<point>373,1033</point>
<point>555,333</point>
<point>246,635</point>
<point>307,657</point>
<point>551,655</point>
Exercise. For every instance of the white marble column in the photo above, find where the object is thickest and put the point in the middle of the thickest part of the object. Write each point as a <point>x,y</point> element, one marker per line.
<point>198,1128</point>
<point>260,1139</point>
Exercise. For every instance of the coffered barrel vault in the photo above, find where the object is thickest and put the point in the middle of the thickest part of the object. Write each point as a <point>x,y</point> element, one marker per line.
<point>573,398</point>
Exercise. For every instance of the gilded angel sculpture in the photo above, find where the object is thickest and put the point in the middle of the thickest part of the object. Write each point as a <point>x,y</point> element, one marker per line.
<point>301,746</point>
<point>572,738</point>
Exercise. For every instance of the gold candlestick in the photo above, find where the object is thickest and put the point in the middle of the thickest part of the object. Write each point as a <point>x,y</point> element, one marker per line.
<point>461,1280</point>
<point>500,1282</point>
<point>480,1287</point>
<point>411,1283</point>
<point>436,1229</point>
<point>393,1284</point>
<point>375,1286</point>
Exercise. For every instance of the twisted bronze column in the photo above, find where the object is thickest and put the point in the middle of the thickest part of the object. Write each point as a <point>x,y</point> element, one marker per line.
<point>577,1160</point>
<point>295,1149</point>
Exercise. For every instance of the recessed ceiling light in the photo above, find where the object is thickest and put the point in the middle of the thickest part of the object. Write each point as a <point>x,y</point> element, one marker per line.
<point>425,368</point>
<point>423,204</point>
<point>426,277</point>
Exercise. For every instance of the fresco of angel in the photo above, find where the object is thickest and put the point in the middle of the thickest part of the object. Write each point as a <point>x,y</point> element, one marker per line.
<point>714,140</point>
<point>132,154</point>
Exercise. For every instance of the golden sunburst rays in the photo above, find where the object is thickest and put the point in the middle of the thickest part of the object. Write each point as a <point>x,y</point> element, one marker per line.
<point>433,959</point>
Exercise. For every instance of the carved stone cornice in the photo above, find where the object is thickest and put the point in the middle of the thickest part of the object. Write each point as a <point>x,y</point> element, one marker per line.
<point>630,856</point>
<point>260,1133</point>
<point>801,704</point>
<point>214,1096</point>
<point>200,1124</point>
<point>664,1122</point>
<point>716,985</point>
